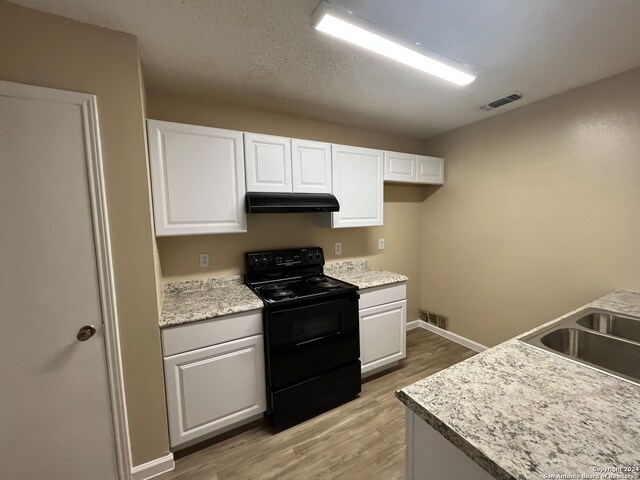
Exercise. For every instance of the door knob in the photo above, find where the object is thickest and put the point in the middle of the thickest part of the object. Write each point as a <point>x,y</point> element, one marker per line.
<point>86,332</point>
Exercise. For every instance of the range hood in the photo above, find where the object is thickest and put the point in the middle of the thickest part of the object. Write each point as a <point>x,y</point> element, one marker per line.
<point>261,202</point>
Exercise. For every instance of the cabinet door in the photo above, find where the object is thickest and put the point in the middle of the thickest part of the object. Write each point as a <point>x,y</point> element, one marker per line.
<point>213,388</point>
<point>358,185</point>
<point>400,167</point>
<point>311,166</point>
<point>268,162</point>
<point>197,177</point>
<point>383,335</point>
<point>430,170</point>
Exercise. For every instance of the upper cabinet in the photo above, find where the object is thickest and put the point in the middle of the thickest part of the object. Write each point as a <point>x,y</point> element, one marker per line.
<point>400,167</point>
<point>198,179</point>
<point>285,165</point>
<point>430,170</point>
<point>409,168</point>
<point>358,185</point>
<point>268,162</point>
<point>311,166</point>
<point>200,176</point>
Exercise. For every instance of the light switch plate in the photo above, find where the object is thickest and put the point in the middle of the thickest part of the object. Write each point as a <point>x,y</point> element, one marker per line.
<point>204,260</point>
<point>338,248</point>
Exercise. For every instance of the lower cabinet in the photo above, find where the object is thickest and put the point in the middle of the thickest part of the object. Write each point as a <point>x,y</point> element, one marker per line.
<point>430,456</point>
<point>212,389</point>
<point>383,327</point>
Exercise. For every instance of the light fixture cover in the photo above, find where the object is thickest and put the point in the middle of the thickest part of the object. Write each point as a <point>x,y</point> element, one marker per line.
<point>344,25</point>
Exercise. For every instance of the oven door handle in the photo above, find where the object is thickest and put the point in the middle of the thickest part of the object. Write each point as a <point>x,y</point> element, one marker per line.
<point>318,339</point>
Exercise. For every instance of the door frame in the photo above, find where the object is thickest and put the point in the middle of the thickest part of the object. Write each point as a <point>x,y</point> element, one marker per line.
<point>95,181</point>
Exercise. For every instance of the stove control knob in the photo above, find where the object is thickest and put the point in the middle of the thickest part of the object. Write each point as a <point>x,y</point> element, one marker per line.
<point>254,262</point>
<point>317,255</point>
<point>264,261</point>
<point>310,255</point>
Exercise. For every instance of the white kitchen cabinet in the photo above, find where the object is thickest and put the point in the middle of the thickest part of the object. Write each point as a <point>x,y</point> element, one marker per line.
<point>211,389</point>
<point>400,167</point>
<point>311,166</point>
<point>197,176</point>
<point>357,175</point>
<point>409,168</point>
<point>429,455</point>
<point>268,163</point>
<point>383,327</point>
<point>284,165</point>
<point>430,170</point>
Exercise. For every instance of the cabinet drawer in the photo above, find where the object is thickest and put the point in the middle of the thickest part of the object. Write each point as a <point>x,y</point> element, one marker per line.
<point>370,297</point>
<point>211,332</point>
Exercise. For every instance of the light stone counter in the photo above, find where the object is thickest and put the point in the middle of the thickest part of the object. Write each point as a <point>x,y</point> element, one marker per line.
<point>359,273</point>
<point>521,413</point>
<point>195,300</point>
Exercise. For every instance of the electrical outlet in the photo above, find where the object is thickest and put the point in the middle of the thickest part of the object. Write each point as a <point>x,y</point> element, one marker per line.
<point>338,248</point>
<point>204,260</point>
<point>381,244</point>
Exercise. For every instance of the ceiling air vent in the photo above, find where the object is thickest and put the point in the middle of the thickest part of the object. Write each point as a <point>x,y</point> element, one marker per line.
<point>502,101</point>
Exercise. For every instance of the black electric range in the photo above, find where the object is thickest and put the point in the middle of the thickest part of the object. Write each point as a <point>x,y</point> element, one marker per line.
<point>311,332</point>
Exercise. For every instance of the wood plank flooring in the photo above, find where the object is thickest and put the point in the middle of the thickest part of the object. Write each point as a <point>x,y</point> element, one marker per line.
<point>363,439</point>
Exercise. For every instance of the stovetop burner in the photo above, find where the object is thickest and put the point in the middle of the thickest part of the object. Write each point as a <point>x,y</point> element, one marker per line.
<point>292,276</point>
<point>329,284</point>
<point>317,279</point>
<point>281,294</point>
<point>273,287</point>
<point>298,288</point>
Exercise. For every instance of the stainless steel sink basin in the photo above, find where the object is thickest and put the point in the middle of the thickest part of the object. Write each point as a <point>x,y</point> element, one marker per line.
<point>603,340</point>
<point>612,324</point>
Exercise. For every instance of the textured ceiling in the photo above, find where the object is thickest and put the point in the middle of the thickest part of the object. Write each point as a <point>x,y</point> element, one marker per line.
<point>264,53</point>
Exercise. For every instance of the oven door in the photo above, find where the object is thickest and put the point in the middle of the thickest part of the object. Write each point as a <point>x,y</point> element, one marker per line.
<point>304,341</point>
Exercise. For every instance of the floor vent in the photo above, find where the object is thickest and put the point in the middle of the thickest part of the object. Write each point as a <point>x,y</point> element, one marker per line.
<point>502,101</point>
<point>434,319</point>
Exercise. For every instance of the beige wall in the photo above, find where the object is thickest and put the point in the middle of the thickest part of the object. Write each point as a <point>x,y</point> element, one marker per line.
<point>50,51</point>
<point>401,230</point>
<point>540,212</point>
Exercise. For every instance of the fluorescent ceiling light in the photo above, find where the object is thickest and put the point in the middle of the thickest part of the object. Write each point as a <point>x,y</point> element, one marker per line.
<point>347,27</point>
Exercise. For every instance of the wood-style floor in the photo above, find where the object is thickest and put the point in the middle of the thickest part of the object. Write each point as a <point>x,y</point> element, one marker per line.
<point>363,439</point>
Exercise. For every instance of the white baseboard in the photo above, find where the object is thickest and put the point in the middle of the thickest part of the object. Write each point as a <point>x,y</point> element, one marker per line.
<point>153,468</point>
<point>454,337</point>
<point>413,325</point>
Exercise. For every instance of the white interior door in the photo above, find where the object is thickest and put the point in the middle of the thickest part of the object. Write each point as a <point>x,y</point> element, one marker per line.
<point>55,415</point>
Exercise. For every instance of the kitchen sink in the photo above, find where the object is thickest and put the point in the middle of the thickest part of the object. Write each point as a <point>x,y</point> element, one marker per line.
<point>604,340</point>
<point>612,324</point>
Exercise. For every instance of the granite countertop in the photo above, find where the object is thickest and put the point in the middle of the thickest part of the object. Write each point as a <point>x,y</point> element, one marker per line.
<point>521,413</point>
<point>359,273</point>
<point>194,300</point>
